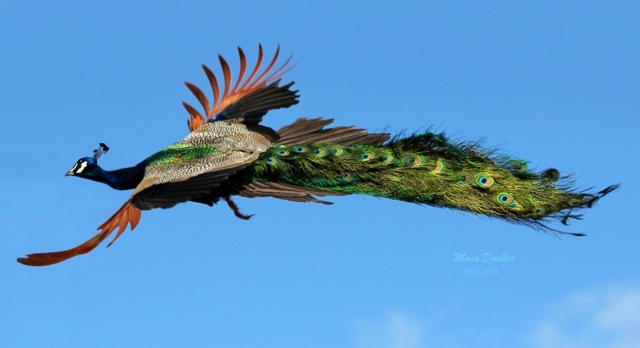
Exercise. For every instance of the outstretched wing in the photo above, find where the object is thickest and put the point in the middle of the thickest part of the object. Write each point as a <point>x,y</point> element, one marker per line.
<point>128,214</point>
<point>223,104</point>
<point>307,131</point>
<point>166,195</point>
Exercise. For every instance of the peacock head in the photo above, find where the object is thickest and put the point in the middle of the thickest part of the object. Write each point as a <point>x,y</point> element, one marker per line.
<point>87,167</point>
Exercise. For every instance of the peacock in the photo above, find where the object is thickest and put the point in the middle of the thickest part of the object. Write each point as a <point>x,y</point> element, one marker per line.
<point>228,152</point>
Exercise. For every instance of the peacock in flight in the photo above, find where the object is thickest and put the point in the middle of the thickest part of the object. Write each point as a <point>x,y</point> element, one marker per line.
<point>229,153</point>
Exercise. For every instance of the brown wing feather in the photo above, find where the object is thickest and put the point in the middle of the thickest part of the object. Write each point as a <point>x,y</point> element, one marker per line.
<point>306,130</point>
<point>255,68</point>
<point>202,98</point>
<point>285,191</point>
<point>226,71</point>
<point>213,82</point>
<point>128,214</point>
<point>232,94</point>
<point>281,70</point>
<point>196,119</point>
<point>273,62</point>
<point>243,69</point>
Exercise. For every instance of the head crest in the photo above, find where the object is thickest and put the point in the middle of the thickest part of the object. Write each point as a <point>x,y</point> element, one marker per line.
<point>101,150</point>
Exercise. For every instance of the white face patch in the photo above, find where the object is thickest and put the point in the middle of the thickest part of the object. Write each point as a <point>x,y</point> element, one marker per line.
<point>83,165</point>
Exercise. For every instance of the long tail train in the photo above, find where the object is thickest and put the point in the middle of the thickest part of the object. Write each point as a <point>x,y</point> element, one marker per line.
<point>425,168</point>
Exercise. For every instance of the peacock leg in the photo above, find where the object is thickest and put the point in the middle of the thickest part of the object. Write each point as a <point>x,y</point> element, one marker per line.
<point>235,209</point>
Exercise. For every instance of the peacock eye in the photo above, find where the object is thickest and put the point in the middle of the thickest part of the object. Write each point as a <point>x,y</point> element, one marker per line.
<point>505,198</point>
<point>484,180</point>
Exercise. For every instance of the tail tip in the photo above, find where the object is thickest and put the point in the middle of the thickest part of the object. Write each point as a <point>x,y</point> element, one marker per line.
<point>609,189</point>
<point>596,197</point>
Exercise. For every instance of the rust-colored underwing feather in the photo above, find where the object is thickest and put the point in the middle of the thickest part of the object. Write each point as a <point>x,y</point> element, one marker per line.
<point>243,69</point>
<point>128,214</point>
<point>193,111</point>
<point>196,119</point>
<point>226,72</point>
<point>200,95</point>
<point>255,68</point>
<point>213,82</point>
<point>281,70</point>
<point>231,94</point>
<point>273,61</point>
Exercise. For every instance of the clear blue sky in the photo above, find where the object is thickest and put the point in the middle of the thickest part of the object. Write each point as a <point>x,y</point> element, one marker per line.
<point>556,83</point>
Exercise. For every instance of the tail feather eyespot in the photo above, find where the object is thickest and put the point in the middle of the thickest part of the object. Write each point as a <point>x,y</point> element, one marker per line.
<point>337,151</point>
<point>272,161</point>
<point>439,168</point>
<point>367,156</point>
<point>414,160</point>
<point>387,158</point>
<point>320,152</point>
<point>505,198</point>
<point>514,205</point>
<point>483,180</point>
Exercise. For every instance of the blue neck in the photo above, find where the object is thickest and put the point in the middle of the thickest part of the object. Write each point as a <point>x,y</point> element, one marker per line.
<point>120,179</point>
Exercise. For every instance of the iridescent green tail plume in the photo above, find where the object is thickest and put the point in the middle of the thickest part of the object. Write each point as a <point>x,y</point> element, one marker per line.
<point>427,169</point>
